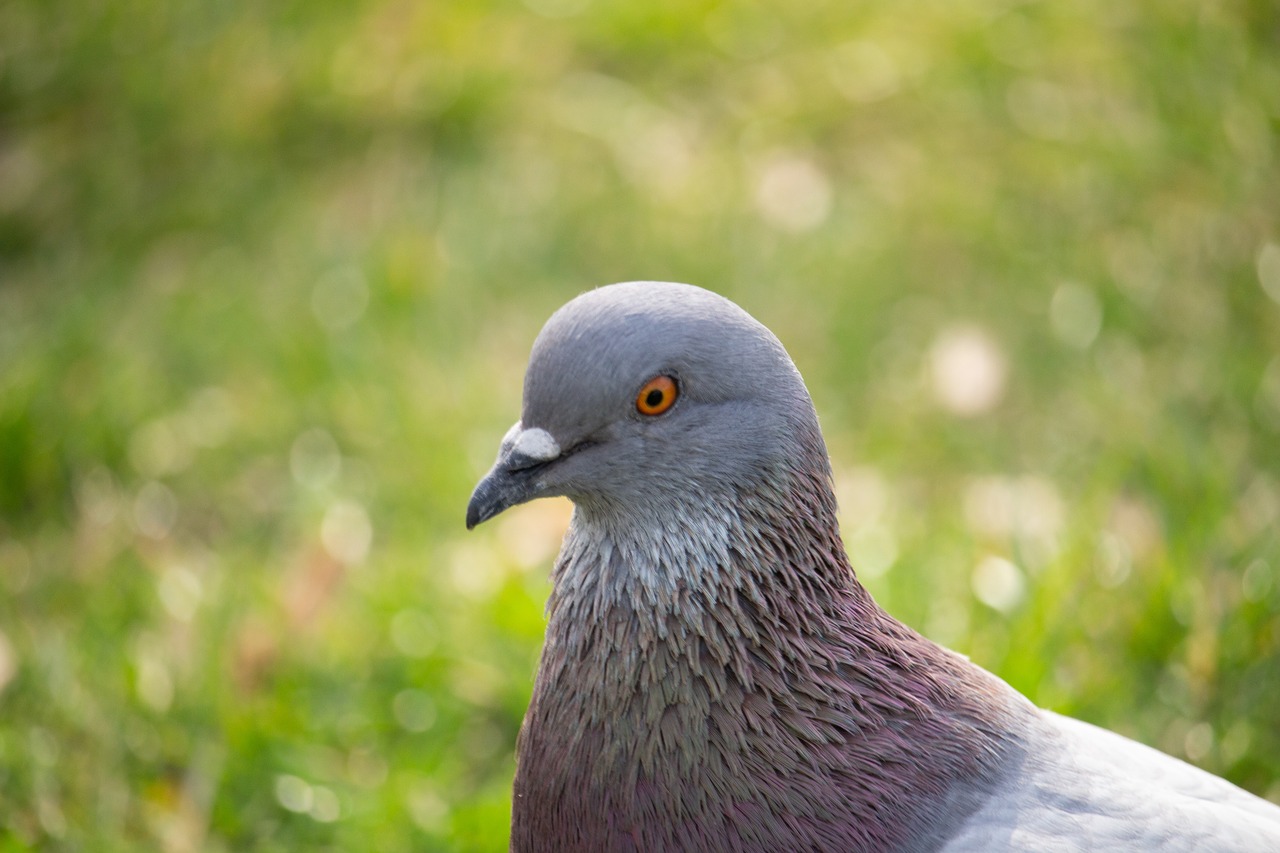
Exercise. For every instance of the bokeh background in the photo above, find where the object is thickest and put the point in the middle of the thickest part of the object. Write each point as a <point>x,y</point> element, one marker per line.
<point>269,273</point>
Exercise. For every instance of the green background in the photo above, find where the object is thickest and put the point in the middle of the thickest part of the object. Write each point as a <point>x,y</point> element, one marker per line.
<point>269,273</point>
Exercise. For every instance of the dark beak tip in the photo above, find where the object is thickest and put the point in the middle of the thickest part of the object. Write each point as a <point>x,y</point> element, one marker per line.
<point>511,481</point>
<point>486,501</point>
<point>475,513</point>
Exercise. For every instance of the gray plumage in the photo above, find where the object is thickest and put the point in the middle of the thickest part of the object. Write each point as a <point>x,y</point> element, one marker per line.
<point>715,678</point>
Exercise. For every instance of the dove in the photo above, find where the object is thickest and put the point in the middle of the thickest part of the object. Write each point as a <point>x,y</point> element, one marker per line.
<point>714,676</point>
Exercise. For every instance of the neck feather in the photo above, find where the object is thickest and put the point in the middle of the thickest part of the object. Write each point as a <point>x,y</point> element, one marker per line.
<point>724,671</point>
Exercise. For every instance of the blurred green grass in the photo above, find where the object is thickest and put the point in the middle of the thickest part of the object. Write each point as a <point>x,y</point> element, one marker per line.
<point>269,274</point>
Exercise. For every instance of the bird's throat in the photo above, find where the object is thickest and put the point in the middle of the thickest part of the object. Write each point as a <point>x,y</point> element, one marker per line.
<point>748,677</point>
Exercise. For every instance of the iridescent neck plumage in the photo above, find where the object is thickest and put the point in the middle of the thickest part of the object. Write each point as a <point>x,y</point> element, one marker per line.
<point>745,672</point>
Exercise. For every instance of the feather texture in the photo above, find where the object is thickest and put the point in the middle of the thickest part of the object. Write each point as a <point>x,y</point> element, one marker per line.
<point>715,678</point>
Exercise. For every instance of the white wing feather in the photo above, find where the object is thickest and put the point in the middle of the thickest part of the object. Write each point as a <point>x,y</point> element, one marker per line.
<point>1082,788</point>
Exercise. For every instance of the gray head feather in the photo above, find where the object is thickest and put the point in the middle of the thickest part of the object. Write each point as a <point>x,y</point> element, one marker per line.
<point>743,412</point>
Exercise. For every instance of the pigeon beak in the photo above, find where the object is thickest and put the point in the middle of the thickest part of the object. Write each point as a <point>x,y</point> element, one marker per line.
<point>513,478</point>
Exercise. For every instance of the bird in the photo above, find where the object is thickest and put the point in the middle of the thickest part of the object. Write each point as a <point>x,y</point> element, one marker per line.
<point>715,678</point>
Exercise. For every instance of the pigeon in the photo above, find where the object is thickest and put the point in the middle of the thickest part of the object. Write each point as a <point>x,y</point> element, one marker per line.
<point>715,678</point>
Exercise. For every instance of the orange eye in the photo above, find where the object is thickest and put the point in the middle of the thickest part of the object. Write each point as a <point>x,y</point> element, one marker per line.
<point>657,395</point>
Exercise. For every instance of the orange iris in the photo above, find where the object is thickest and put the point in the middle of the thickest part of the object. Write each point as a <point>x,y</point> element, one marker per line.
<point>657,395</point>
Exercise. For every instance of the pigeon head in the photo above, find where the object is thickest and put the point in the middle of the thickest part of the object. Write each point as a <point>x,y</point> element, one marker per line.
<point>641,395</point>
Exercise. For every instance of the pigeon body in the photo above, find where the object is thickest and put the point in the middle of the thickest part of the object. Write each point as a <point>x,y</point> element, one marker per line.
<point>714,677</point>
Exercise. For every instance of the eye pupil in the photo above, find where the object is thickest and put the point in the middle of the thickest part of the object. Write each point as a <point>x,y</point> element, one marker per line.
<point>654,399</point>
